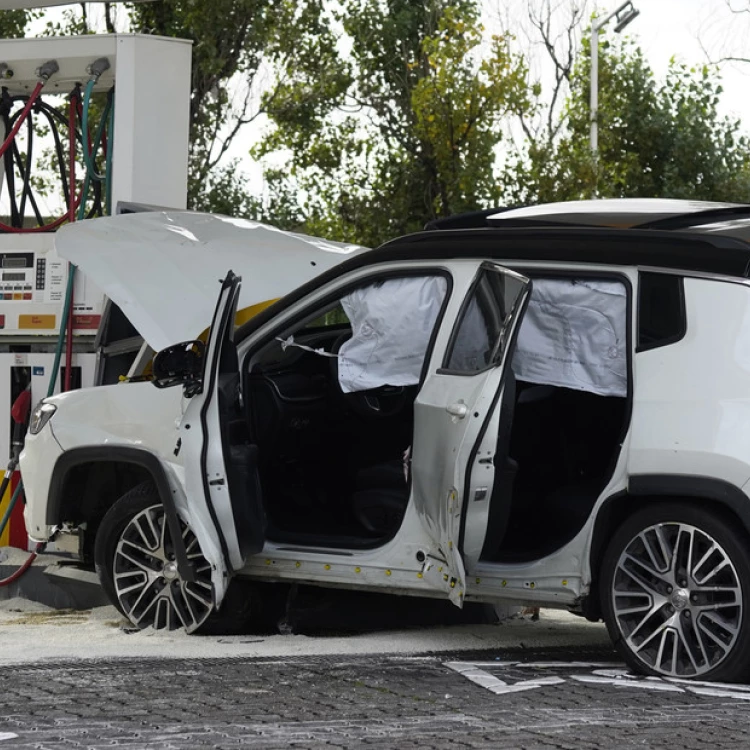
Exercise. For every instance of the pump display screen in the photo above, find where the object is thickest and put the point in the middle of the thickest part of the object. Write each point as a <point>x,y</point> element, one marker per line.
<point>14,276</point>
<point>17,260</point>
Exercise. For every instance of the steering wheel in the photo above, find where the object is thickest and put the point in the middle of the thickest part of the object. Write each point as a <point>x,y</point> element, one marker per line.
<point>385,401</point>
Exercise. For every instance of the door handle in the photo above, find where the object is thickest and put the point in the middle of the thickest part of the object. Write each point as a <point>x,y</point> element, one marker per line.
<point>459,410</point>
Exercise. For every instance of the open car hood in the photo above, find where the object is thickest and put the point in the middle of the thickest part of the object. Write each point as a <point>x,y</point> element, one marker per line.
<point>162,268</point>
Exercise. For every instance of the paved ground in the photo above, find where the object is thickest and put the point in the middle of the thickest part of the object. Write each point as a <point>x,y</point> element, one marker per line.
<point>550,684</point>
<point>380,701</point>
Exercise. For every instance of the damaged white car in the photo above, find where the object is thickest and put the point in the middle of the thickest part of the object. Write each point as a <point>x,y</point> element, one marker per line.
<point>546,406</point>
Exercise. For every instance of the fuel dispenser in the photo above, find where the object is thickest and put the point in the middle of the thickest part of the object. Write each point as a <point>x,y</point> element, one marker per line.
<point>112,112</point>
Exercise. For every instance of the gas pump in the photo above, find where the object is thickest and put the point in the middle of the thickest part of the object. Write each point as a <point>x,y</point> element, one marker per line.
<point>116,112</point>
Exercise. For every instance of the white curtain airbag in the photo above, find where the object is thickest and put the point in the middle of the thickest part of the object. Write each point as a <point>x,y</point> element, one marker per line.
<point>574,335</point>
<point>392,322</point>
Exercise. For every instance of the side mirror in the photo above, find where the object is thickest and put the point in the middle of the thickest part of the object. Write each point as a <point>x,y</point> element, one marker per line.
<point>179,364</point>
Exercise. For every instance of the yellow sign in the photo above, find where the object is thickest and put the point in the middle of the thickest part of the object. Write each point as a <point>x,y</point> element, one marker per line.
<point>46,322</point>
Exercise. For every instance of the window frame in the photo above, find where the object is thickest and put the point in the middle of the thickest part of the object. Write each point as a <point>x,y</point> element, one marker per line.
<point>485,267</point>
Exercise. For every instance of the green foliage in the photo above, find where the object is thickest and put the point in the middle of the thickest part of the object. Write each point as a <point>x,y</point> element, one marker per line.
<point>72,23</point>
<point>13,23</point>
<point>231,41</point>
<point>458,106</point>
<point>399,130</point>
<point>656,139</point>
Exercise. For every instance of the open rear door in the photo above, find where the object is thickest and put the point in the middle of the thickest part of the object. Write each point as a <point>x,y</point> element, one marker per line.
<point>221,477</point>
<point>455,411</point>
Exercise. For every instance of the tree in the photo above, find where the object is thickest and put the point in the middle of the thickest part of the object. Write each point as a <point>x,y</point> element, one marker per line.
<point>232,42</point>
<point>403,128</point>
<point>724,33</point>
<point>550,34</point>
<point>13,23</point>
<point>659,139</point>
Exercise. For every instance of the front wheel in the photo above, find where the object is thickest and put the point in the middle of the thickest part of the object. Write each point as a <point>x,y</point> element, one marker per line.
<point>674,591</point>
<point>135,561</point>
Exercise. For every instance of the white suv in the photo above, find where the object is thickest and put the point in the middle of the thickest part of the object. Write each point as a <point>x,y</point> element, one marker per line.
<point>547,406</point>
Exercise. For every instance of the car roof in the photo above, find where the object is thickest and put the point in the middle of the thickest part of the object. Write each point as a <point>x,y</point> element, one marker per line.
<point>709,237</point>
<point>678,250</point>
<point>600,246</point>
<point>691,236</point>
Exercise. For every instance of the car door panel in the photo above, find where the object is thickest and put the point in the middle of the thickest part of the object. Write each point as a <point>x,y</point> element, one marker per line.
<point>456,417</point>
<point>221,477</point>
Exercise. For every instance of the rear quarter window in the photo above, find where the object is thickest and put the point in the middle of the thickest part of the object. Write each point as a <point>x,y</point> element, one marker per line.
<point>661,310</point>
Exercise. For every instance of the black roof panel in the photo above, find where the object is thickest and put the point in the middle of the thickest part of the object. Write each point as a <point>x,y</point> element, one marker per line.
<point>703,253</point>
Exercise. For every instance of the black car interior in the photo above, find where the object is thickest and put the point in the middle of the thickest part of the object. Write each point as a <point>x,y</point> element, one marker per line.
<point>332,465</point>
<point>565,444</point>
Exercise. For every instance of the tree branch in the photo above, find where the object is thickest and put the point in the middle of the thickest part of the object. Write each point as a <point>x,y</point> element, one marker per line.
<point>108,22</point>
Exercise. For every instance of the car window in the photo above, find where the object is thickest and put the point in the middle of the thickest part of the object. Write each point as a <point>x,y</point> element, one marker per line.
<point>378,332</point>
<point>480,336</point>
<point>661,310</point>
<point>331,318</point>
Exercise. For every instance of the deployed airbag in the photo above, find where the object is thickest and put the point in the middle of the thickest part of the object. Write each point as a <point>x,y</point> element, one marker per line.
<point>392,322</point>
<point>574,335</point>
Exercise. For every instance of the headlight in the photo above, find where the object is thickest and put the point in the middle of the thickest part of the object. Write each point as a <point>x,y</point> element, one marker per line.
<point>41,415</point>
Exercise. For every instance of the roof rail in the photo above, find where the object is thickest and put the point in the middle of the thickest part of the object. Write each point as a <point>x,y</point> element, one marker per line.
<point>469,220</point>
<point>685,221</point>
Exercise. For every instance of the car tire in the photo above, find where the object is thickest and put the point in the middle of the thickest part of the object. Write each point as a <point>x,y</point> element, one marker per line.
<point>135,564</point>
<point>675,593</point>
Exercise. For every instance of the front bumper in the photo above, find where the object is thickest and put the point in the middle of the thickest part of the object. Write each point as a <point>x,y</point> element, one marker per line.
<point>37,462</point>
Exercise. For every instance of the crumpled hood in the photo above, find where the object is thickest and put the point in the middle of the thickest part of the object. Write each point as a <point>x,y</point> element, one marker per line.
<point>163,268</point>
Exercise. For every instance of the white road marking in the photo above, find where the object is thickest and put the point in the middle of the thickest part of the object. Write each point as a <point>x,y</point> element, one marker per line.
<point>547,664</point>
<point>7,736</point>
<point>618,682</point>
<point>604,673</point>
<point>486,680</point>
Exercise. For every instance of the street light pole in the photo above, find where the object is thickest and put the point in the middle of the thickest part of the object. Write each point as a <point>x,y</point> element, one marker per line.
<point>624,14</point>
<point>594,102</point>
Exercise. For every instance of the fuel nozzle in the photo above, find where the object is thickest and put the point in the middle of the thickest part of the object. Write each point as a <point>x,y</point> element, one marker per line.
<point>47,70</point>
<point>96,68</point>
<point>20,413</point>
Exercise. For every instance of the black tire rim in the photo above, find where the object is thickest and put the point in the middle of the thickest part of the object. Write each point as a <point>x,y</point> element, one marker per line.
<point>677,600</point>
<point>148,584</point>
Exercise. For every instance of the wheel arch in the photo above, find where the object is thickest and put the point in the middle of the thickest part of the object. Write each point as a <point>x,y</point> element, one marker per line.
<point>646,489</point>
<point>87,481</point>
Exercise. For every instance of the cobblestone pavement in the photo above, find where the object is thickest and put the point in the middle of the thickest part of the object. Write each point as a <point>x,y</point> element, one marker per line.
<point>515,699</point>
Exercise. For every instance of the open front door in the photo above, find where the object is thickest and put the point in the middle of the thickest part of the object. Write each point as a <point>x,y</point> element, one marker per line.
<point>221,477</point>
<point>456,414</point>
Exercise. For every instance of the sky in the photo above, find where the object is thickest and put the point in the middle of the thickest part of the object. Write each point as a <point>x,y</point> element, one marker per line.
<point>693,31</point>
<point>691,28</point>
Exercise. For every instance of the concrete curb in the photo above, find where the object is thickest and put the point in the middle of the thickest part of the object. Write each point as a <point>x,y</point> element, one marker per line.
<point>50,581</point>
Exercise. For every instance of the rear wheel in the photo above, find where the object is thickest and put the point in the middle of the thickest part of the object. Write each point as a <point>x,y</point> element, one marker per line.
<point>135,561</point>
<point>675,583</point>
